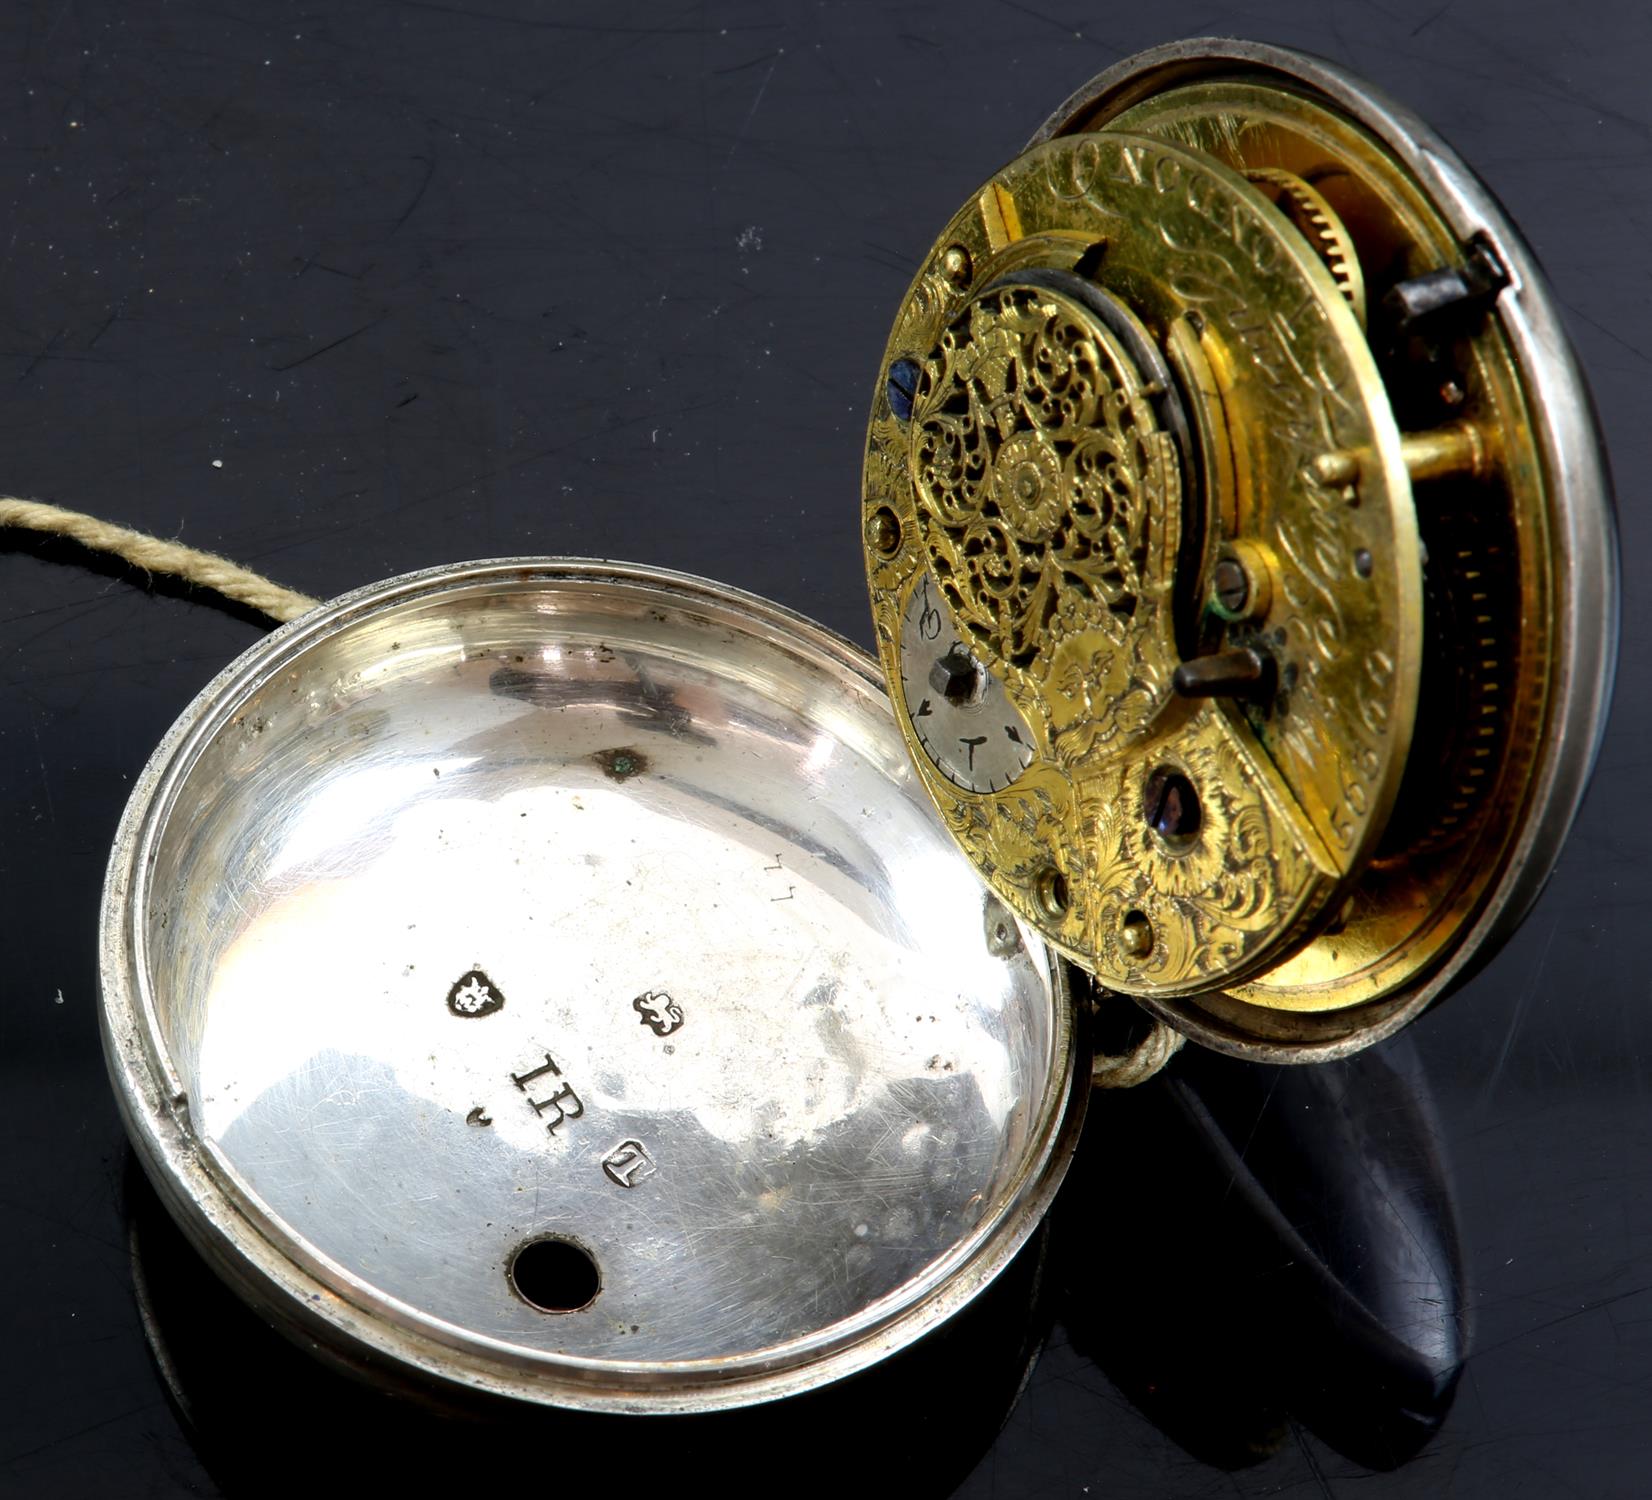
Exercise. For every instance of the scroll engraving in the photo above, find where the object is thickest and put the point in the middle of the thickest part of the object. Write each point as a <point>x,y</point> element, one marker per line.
<point>1046,491</point>
<point>1045,499</point>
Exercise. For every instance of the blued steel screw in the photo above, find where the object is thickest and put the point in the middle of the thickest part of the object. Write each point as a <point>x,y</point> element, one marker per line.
<point>1230,587</point>
<point>902,387</point>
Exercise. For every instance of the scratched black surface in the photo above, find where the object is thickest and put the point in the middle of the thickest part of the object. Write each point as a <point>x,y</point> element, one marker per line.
<point>349,290</point>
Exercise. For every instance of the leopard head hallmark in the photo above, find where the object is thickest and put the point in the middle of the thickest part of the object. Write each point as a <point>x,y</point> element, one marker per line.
<point>474,994</point>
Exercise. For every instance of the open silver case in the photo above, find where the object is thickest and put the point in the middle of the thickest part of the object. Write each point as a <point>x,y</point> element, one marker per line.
<point>551,979</point>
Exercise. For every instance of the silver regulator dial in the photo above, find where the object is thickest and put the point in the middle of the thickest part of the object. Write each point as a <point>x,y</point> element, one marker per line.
<point>960,712</point>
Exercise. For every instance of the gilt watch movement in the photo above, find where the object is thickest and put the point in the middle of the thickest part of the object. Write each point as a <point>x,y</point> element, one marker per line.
<point>1240,549</point>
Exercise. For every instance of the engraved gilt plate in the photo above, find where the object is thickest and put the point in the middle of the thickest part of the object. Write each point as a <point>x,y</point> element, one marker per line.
<point>1022,451</point>
<point>1235,432</point>
<point>555,979</point>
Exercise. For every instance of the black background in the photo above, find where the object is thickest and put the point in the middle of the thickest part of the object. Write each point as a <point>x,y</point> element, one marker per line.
<point>347,290</point>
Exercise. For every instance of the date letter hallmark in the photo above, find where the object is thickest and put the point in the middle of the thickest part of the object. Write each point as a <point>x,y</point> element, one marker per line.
<point>628,1163</point>
<point>564,1100</point>
<point>658,1012</point>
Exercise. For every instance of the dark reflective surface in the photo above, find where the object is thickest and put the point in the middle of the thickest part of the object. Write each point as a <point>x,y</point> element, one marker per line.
<point>1291,1255</point>
<point>437,281</point>
<point>1246,1254</point>
<point>241,1391</point>
<point>1288,1254</point>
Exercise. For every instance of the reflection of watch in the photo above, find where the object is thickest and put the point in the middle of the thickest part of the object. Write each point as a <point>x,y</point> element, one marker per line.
<point>958,709</point>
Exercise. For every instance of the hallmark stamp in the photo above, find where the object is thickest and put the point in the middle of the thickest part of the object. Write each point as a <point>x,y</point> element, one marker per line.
<point>658,1012</point>
<point>628,1163</point>
<point>563,1099</point>
<point>474,994</point>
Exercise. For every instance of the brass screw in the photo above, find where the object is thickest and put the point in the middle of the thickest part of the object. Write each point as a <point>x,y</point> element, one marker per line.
<point>956,266</point>
<point>1053,894</point>
<point>1136,935</point>
<point>1241,586</point>
<point>883,530</point>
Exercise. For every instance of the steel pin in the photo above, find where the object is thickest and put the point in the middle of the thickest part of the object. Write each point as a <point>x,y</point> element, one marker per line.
<point>1239,673</point>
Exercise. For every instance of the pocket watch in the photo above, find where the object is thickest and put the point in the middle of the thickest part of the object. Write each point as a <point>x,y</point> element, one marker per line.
<point>594,986</point>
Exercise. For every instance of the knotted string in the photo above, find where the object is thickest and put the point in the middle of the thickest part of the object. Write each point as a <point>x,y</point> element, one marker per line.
<point>1125,1070</point>
<point>153,555</point>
